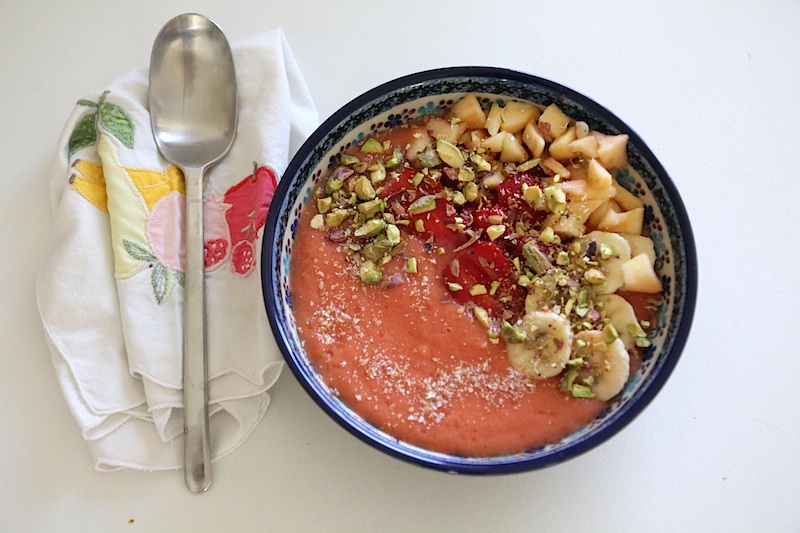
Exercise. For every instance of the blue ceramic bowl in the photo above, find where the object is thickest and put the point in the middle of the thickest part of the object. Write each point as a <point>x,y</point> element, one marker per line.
<point>410,97</point>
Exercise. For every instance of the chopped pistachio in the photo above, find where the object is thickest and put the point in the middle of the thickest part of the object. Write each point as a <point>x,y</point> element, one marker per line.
<point>527,165</point>
<point>568,307</point>
<point>635,330</point>
<point>332,185</point>
<point>349,160</point>
<point>562,258</point>
<point>466,174</point>
<point>324,204</point>
<point>480,162</point>
<point>411,265</point>
<point>569,379</point>
<point>393,234</point>
<point>370,228</point>
<point>317,221</point>
<point>363,188</point>
<point>419,225</point>
<point>495,231</point>
<point>429,158</point>
<point>556,199</point>
<point>644,323</point>
<point>440,251</point>
<point>395,159</point>
<point>449,153</point>
<point>377,172</point>
<point>377,249</point>
<point>372,146</point>
<point>458,197</point>
<point>371,208</point>
<point>511,334</point>
<point>454,287</point>
<point>535,258</point>
<point>493,289</point>
<point>643,342</point>
<point>594,276</point>
<point>370,273</point>
<point>417,179</point>
<point>478,289</point>
<point>610,333</point>
<point>532,195</point>
<point>548,236</point>
<point>582,391</point>
<point>606,251</point>
<point>482,316</point>
<point>470,191</point>
<point>422,204</point>
<point>335,218</point>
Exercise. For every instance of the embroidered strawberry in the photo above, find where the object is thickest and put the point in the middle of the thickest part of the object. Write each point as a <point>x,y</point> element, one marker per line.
<point>215,233</point>
<point>215,252</point>
<point>249,201</point>
<point>243,258</point>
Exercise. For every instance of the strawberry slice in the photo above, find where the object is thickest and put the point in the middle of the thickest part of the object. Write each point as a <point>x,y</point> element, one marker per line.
<point>437,225</point>
<point>397,183</point>
<point>511,202</point>
<point>484,264</point>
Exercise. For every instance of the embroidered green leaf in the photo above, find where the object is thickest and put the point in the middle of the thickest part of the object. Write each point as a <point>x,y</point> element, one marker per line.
<point>138,251</point>
<point>83,135</point>
<point>181,278</point>
<point>163,281</point>
<point>117,122</point>
<point>87,103</point>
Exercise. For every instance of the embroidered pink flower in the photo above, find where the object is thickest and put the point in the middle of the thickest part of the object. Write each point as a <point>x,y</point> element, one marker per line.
<point>164,231</point>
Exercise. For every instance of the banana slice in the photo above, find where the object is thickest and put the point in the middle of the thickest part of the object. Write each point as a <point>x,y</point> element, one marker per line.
<point>611,251</point>
<point>622,316</point>
<point>606,365</point>
<point>545,345</point>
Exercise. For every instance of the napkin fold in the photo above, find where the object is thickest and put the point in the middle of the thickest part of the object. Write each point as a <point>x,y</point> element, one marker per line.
<point>110,294</point>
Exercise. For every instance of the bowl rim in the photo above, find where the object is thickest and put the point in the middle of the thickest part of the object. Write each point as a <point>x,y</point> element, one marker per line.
<point>456,464</point>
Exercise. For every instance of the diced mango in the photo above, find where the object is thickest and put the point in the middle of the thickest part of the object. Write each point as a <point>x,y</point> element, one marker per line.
<point>494,119</point>
<point>517,114</point>
<point>597,176</point>
<point>560,147</point>
<point>612,150</point>
<point>626,199</point>
<point>439,128</point>
<point>639,275</point>
<point>557,122</point>
<point>513,151</point>
<point>533,139</point>
<point>469,110</point>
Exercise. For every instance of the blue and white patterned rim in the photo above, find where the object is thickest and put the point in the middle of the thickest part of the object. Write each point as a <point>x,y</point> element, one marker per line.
<point>410,97</point>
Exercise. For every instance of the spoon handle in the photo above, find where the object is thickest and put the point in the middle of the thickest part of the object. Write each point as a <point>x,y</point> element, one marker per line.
<point>197,446</point>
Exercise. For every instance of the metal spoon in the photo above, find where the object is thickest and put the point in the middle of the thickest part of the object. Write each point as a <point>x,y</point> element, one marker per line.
<point>193,109</point>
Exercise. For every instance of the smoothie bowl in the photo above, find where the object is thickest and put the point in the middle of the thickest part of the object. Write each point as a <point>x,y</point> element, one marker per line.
<point>479,271</point>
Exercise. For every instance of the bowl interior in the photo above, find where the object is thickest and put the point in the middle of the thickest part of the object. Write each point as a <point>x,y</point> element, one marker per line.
<point>412,97</point>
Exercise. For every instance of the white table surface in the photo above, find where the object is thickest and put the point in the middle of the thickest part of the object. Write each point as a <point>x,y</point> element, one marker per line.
<point>713,87</point>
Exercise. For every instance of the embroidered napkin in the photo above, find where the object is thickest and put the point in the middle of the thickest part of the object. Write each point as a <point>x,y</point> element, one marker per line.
<point>111,293</point>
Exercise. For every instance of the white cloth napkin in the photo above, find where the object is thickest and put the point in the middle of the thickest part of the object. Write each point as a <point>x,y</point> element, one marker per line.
<point>110,294</point>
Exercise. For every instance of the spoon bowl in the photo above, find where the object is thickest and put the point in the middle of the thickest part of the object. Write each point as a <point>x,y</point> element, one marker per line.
<point>193,110</point>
